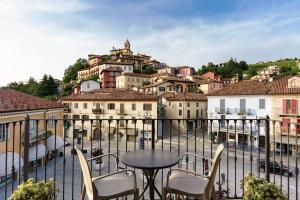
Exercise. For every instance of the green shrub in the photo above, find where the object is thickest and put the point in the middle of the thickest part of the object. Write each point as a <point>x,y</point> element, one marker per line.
<point>31,190</point>
<point>258,188</point>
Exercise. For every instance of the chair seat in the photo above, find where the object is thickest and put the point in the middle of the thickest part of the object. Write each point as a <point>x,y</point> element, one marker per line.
<point>188,184</point>
<point>115,185</point>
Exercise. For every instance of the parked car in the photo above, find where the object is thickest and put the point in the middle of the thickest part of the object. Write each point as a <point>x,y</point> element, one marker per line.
<point>276,168</point>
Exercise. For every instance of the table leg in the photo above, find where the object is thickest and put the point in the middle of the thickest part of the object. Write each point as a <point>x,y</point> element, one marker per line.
<point>150,175</point>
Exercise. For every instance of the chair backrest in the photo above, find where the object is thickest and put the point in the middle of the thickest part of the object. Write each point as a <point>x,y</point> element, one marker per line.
<point>214,168</point>
<point>91,190</point>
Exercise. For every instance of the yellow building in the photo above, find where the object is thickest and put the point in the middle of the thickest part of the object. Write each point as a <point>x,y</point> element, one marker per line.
<point>285,95</point>
<point>130,80</point>
<point>15,107</point>
<point>111,103</point>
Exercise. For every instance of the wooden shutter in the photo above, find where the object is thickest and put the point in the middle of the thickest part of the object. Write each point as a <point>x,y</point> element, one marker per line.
<point>283,106</point>
<point>293,106</point>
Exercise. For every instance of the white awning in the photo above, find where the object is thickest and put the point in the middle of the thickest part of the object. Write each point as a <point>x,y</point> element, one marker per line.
<point>10,162</point>
<point>51,146</point>
<point>41,152</point>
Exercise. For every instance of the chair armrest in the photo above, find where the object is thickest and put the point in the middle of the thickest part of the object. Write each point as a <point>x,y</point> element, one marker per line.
<point>117,172</point>
<point>104,155</point>
<point>189,172</point>
<point>197,155</point>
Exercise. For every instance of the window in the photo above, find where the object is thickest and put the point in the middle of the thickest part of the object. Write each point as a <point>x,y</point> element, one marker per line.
<point>262,103</point>
<point>180,112</point>
<point>222,105</point>
<point>197,104</point>
<point>180,104</point>
<point>85,105</point>
<point>32,127</point>
<point>88,85</point>
<point>242,105</point>
<point>4,132</point>
<point>197,113</point>
<point>188,104</point>
<point>289,106</point>
<point>147,107</point>
<point>285,124</point>
<point>76,117</point>
<point>51,121</point>
<point>85,117</point>
<point>161,89</point>
<point>133,120</point>
<point>298,126</point>
<point>75,105</point>
<point>133,106</point>
<point>111,106</point>
<point>188,114</point>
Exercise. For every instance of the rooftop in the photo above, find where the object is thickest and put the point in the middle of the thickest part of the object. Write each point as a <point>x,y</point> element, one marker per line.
<point>186,96</point>
<point>111,94</point>
<point>13,101</point>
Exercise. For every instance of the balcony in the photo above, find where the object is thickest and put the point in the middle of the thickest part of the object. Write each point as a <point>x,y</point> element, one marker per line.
<point>287,112</point>
<point>97,111</point>
<point>67,110</point>
<point>220,110</point>
<point>33,138</point>
<point>238,159</point>
<point>121,112</point>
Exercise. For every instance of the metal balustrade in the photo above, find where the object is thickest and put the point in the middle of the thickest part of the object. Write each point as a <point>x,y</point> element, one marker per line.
<point>267,153</point>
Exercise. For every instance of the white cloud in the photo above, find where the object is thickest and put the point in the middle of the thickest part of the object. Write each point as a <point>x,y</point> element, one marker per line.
<point>29,48</point>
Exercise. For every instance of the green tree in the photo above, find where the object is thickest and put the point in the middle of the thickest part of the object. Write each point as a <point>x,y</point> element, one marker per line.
<point>71,73</point>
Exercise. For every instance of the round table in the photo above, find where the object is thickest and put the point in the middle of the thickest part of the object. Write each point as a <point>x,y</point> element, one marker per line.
<point>150,161</point>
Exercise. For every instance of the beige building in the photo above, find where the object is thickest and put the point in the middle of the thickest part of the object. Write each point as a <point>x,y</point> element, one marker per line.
<point>110,103</point>
<point>206,86</point>
<point>14,107</point>
<point>130,80</point>
<point>186,105</point>
<point>285,94</point>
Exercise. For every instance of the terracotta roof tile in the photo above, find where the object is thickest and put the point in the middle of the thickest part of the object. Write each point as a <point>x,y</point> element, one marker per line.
<point>111,94</point>
<point>280,86</point>
<point>245,87</point>
<point>187,96</point>
<point>13,101</point>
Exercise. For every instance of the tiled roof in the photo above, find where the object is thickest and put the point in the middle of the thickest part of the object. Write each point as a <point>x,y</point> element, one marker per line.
<point>188,96</point>
<point>166,95</point>
<point>245,87</point>
<point>154,84</point>
<point>161,74</point>
<point>136,75</point>
<point>280,86</point>
<point>115,63</point>
<point>13,101</point>
<point>112,69</point>
<point>111,94</point>
<point>206,81</point>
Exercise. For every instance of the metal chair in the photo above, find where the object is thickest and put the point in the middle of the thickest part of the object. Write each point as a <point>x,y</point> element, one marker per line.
<point>190,184</point>
<point>108,186</point>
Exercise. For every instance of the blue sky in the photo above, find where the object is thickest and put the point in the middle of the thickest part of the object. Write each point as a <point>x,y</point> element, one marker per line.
<point>45,36</point>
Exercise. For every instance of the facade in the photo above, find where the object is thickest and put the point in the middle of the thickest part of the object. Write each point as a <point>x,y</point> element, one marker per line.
<point>131,80</point>
<point>184,71</point>
<point>16,106</point>
<point>108,77</point>
<point>112,104</point>
<point>206,86</point>
<point>267,73</point>
<point>242,100</point>
<point>211,76</point>
<point>169,70</point>
<point>126,68</point>
<point>87,86</point>
<point>186,105</point>
<point>285,94</point>
<point>94,60</point>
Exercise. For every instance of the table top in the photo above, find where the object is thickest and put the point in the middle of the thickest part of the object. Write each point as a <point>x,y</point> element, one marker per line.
<point>150,159</point>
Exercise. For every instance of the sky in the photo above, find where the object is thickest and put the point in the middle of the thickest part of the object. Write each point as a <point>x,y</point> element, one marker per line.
<point>46,36</point>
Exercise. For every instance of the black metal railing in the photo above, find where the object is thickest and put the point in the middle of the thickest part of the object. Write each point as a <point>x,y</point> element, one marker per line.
<point>264,147</point>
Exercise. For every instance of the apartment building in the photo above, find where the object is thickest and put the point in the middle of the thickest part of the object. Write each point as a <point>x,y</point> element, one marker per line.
<point>15,107</point>
<point>186,105</point>
<point>285,95</point>
<point>131,80</point>
<point>86,86</point>
<point>108,76</point>
<point>108,103</point>
<point>206,86</point>
<point>242,100</point>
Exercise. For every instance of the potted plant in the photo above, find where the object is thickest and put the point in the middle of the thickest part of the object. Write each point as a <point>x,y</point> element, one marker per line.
<point>35,191</point>
<point>259,188</point>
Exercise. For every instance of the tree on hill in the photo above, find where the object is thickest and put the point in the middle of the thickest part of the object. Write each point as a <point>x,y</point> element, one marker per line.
<point>230,69</point>
<point>71,73</point>
<point>47,87</point>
